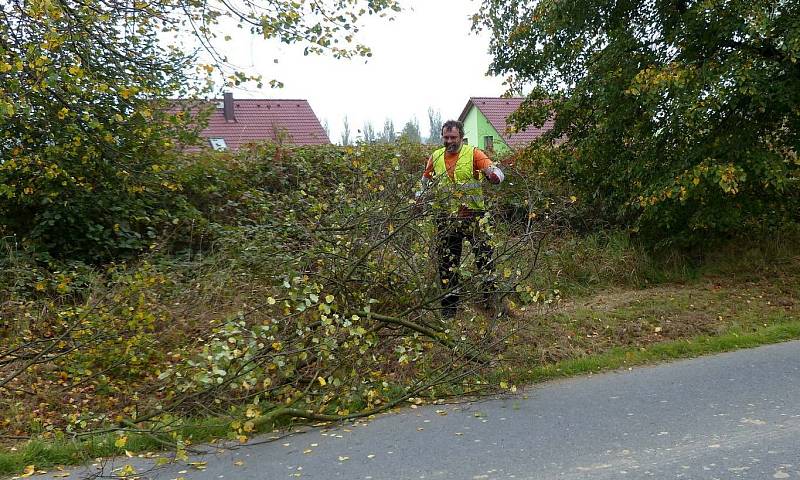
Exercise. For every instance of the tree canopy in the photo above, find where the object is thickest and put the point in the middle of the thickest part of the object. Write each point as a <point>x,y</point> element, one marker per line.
<point>346,131</point>
<point>368,132</point>
<point>86,132</point>
<point>388,135</point>
<point>410,131</point>
<point>435,119</point>
<point>679,117</point>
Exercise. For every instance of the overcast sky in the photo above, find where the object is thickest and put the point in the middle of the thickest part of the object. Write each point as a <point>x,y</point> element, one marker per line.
<point>426,57</point>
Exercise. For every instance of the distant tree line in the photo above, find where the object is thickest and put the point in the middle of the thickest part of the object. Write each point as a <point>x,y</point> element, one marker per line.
<point>388,133</point>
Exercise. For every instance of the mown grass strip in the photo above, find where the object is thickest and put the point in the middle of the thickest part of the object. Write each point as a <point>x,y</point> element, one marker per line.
<point>46,454</point>
<point>670,350</point>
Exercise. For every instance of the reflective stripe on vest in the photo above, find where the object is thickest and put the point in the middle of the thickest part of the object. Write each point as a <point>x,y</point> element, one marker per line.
<point>463,188</point>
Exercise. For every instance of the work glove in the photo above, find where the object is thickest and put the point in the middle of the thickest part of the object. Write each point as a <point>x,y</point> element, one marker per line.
<point>494,175</point>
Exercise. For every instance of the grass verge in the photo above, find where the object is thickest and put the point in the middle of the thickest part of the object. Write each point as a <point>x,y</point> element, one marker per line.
<point>623,309</point>
<point>47,454</point>
<point>619,358</point>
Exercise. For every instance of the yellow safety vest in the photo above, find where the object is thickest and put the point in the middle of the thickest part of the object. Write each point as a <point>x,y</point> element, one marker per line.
<point>463,189</point>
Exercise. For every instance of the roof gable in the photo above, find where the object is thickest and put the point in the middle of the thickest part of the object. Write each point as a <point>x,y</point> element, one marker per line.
<point>497,110</point>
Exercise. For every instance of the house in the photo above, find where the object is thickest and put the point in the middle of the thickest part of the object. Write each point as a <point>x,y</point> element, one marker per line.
<point>236,122</point>
<point>485,126</point>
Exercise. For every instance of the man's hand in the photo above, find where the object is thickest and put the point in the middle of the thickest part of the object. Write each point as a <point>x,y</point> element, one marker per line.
<point>494,174</point>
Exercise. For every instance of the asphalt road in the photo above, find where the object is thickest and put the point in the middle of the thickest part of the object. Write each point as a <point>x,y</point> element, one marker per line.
<point>729,416</point>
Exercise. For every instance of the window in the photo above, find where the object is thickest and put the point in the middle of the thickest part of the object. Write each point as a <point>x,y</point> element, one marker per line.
<point>218,144</point>
<point>488,143</point>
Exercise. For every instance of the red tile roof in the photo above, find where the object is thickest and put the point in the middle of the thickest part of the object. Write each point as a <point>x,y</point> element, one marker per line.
<point>496,110</point>
<point>258,120</point>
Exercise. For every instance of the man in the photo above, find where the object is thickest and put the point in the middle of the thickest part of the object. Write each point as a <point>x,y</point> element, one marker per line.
<point>454,173</point>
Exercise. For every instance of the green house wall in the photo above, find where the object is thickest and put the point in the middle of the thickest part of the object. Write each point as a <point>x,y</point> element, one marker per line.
<point>477,128</point>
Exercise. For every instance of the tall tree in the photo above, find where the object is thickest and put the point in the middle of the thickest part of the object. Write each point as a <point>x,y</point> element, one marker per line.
<point>435,119</point>
<point>410,132</point>
<point>369,133</point>
<point>681,117</point>
<point>346,131</point>
<point>388,135</point>
<point>84,132</point>
<point>327,127</point>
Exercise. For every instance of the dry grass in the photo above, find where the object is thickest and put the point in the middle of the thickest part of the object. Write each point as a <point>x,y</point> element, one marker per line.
<point>634,319</point>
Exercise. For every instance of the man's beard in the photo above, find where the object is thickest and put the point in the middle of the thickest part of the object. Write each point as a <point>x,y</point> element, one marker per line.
<point>452,147</point>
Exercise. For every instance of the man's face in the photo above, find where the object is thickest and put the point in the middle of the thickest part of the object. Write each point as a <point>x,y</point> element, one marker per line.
<point>452,140</point>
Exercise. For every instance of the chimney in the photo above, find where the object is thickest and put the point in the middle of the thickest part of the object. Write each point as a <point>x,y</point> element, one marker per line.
<point>227,105</point>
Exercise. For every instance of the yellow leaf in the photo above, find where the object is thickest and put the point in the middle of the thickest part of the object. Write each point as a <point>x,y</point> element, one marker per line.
<point>29,470</point>
<point>181,455</point>
<point>271,300</point>
<point>121,441</point>
<point>127,471</point>
<point>248,426</point>
<point>321,381</point>
<point>573,198</point>
<point>329,298</point>
<point>61,475</point>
